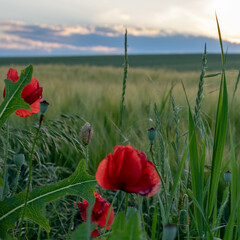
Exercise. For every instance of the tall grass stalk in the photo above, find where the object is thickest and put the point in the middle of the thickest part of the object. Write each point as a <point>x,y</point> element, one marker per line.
<point>176,110</point>
<point>29,175</point>
<point>5,167</point>
<point>124,83</point>
<point>200,87</point>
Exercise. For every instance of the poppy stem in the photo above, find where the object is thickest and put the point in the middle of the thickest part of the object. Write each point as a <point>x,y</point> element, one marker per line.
<point>16,183</point>
<point>5,167</point>
<point>140,200</point>
<point>109,211</point>
<point>29,176</point>
<point>126,206</point>
<point>72,218</point>
<point>86,156</point>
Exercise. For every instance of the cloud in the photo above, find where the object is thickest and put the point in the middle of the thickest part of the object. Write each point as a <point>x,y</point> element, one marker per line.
<point>40,39</point>
<point>21,36</point>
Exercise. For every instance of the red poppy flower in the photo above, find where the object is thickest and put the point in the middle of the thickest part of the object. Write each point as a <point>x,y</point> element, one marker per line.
<point>99,213</point>
<point>31,93</point>
<point>128,170</point>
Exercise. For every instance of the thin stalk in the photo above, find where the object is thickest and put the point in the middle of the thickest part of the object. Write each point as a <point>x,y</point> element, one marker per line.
<point>125,75</point>
<point>126,204</point>
<point>5,168</point>
<point>140,210</point>
<point>159,174</point>
<point>109,211</point>
<point>30,175</point>
<point>72,218</point>
<point>77,200</point>
<point>86,156</point>
<point>16,183</point>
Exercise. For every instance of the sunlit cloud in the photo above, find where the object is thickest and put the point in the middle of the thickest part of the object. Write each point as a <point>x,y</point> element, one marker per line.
<point>106,39</point>
<point>10,38</point>
<point>9,42</point>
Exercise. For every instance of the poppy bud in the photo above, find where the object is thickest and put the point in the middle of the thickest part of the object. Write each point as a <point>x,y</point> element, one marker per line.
<point>43,106</point>
<point>169,231</point>
<point>228,176</point>
<point>19,159</point>
<point>86,134</point>
<point>151,133</point>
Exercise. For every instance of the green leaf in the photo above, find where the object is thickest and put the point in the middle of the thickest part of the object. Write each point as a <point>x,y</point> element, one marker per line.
<point>195,171</point>
<point>219,137</point>
<point>79,183</point>
<point>83,232</point>
<point>13,100</point>
<point>127,230</point>
<point>154,222</point>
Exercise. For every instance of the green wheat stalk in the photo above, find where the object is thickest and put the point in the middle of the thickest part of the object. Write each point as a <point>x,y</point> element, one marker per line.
<point>125,75</point>
<point>200,86</point>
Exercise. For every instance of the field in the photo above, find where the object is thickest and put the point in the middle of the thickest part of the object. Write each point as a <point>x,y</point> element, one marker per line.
<point>90,89</point>
<point>94,93</point>
<point>177,62</point>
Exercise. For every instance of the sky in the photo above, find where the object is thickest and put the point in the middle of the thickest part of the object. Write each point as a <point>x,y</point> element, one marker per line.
<point>92,27</point>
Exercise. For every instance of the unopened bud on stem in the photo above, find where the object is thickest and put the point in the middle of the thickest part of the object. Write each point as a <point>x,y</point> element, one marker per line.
<point>19,159</point>
<point>43,106</point>
<point>227,176</point>
<point>86,134</point>
<point>151,133</point>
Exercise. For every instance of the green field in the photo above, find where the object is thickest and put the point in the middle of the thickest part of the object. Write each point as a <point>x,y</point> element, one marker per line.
<point>179,62</point>
<point>94,93</point>
<point>89,89</point>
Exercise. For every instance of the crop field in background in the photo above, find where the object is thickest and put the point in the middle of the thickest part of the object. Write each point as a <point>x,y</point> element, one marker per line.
<point>93,93</point>
<point>81,89</point>
<point>178,62</point>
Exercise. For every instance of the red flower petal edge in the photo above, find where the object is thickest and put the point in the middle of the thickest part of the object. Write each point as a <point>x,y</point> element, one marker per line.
<point>128,170</point>
<point>99,212</point>
<point>32,94</point>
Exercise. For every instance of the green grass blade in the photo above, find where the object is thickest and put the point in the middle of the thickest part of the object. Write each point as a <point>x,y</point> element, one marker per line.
<point>195,167</point>
<point>210,237</point>
<point>176,182</point>
<point>234,168</point>
<point>230,226</point>
<point>219,137</point>
<point>195,171</point>
<point>154,223</point>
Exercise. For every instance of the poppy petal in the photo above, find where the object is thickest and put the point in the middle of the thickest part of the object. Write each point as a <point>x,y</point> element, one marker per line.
<point>35,108</point>
<point>102,173</point>
<point>95,233</point>
<point>131,170</point>
<point>12,74</point>
<point>102,220</point>
<point>149,183</point>
<point>29,88</point>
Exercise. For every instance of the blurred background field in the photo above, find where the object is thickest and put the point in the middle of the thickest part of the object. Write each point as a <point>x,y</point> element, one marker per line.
<point>79,92</point>
<point>178,62</point>
<point>93,94</point>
